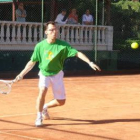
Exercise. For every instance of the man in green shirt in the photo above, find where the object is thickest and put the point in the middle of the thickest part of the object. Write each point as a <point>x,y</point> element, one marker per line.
<point>51,54</point>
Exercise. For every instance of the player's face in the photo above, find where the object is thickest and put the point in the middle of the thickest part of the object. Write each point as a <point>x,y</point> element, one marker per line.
<point>51,31</point>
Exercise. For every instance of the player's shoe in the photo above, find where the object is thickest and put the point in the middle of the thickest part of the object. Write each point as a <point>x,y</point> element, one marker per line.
<point>38,122</point>
<point>45,115</point>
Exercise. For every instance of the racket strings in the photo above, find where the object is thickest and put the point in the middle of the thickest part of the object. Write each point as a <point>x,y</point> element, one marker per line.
<point>4,88</point>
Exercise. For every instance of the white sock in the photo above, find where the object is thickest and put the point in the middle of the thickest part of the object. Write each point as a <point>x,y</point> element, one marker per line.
<point>45,107</point>
<point>39,114</point>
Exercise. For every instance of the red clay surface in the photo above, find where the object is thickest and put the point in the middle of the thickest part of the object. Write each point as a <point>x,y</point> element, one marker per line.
<point>97,108</point>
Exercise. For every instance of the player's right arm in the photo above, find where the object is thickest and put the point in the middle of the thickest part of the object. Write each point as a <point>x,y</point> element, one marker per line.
<point>86,59</point>
<point>27,68</point>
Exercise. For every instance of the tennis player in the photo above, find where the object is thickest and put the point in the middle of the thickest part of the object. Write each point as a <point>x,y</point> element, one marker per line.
<point>51,54</point>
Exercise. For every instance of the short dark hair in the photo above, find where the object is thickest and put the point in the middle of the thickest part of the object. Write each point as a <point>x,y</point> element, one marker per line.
<point>49,22</point>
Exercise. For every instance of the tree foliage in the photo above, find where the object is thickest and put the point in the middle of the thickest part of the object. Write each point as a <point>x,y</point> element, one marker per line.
<point>128,5</point>
<point>125,20</point>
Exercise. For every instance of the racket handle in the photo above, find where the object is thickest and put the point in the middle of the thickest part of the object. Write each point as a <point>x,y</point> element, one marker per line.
<point>13,81</point>
<point>18,78</point>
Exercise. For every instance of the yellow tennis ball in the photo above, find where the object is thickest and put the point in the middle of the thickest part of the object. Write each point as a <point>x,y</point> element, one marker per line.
<point>134,45</point>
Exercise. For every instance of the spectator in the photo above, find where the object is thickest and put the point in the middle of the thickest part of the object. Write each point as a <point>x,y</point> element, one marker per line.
<point>21,13</point>
<point>61,18</point>
<point>87,18</point>
<point>73,17</point>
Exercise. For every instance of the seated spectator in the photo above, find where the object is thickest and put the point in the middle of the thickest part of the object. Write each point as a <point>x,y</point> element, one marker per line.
<point>61,18</point>
<point>21,13</point>
<point>87,18</point>
<point>73,17</point>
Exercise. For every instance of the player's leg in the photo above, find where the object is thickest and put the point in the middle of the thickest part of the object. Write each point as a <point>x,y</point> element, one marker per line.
<point>53,103</point>
<point>41,98</point>
<point>43,87</point>
<point>59,93</point>
<point>39,105</point>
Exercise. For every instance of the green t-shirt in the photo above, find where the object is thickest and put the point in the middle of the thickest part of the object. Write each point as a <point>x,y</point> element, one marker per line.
<point>51,57</point>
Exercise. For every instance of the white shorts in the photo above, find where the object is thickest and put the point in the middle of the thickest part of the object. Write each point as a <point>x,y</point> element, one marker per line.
<point>56,81</point>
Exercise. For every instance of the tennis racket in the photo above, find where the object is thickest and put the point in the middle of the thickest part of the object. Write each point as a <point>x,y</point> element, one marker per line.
<point>6,86</point>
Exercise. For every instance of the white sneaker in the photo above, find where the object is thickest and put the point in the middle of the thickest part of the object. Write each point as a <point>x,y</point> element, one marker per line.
<point>38,122</point>
<point>45,115</point>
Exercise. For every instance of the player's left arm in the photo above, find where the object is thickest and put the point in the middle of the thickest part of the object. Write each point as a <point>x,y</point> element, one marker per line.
<point>85,58</point>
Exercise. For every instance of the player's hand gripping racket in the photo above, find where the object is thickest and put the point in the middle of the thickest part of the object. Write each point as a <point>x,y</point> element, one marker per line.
<point>6,86</point>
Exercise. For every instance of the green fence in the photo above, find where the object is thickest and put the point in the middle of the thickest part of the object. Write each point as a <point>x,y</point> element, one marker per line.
<point>15,61</point>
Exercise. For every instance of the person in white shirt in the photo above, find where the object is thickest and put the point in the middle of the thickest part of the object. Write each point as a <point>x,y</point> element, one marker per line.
<point>61,18</point>
<point>87,18</point>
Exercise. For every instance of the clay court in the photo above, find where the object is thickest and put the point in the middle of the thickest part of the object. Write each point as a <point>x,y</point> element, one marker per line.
<point>97,108</point>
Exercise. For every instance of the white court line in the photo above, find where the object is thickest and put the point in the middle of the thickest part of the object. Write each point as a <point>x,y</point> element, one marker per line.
<point>20,136</point>
<point>16,115</point>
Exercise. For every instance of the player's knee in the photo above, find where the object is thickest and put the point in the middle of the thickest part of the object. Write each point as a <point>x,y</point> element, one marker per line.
<point>61,102</point>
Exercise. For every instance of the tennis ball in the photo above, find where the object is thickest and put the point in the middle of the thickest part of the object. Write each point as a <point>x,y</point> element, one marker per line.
<point>134,45</point>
